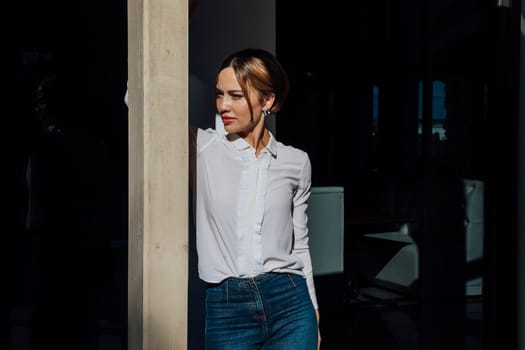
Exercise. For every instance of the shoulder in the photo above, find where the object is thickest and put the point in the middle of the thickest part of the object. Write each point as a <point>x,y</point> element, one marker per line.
<point>294,159</point>
<point>297,163</point>
<point>203,137</point>
<point>290,152</point>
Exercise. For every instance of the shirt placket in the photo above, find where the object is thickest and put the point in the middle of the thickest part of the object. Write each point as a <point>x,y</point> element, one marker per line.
<point>250,213</point>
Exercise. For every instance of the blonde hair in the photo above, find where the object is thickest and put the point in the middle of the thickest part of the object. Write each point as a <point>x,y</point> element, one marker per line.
<point>260,70</point>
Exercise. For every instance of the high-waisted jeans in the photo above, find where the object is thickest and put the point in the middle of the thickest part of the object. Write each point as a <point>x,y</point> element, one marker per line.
<point>268,312</point>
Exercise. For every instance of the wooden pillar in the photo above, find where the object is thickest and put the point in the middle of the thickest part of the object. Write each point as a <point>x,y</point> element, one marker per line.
<point>158,174</point>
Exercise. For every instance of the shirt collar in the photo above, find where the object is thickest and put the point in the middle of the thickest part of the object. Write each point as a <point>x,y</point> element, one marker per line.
<point>238,143</point>
<point>272,145</point>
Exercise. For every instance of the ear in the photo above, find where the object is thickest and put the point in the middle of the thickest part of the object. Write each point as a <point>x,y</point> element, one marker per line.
<point>268,101</point>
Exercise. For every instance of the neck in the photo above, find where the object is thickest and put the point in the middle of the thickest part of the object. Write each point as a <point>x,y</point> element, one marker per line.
<point>258,139</point>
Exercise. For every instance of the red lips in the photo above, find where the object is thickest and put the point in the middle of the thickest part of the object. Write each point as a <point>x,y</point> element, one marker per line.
<point>227,120</point>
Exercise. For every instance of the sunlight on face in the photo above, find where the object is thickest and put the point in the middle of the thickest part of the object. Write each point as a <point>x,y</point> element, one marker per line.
<point>233,106</point>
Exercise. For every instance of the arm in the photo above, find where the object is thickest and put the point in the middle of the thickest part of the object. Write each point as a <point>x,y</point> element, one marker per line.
<point>192,166</point>
<point>301,246</point>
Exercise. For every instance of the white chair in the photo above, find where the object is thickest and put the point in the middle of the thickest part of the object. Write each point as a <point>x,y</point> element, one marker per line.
<point>392,259</point>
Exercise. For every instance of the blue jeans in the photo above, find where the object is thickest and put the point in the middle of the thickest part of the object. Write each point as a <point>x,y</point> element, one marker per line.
<point>267,312</point>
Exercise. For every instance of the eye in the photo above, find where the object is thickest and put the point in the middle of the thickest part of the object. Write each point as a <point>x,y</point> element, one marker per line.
<point>237,96</point>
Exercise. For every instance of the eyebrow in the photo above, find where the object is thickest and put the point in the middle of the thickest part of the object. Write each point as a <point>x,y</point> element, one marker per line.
<point>230,91</point>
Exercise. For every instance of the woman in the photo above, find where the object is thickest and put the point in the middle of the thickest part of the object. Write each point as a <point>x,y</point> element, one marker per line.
<point>251,223</point>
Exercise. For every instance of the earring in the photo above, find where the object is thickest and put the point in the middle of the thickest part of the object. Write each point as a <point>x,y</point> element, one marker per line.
<point>266,112</point>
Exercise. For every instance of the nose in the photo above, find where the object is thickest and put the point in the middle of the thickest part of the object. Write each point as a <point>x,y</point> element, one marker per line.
<point>223,103</point>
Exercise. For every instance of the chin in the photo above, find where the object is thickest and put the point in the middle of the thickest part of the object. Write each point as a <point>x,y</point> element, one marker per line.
<point>231,127</point>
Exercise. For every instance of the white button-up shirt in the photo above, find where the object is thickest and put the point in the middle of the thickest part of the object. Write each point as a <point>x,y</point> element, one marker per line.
<point>251,211</point>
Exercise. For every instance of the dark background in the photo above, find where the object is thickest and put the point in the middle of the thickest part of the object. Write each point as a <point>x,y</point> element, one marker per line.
<point>65,72</point>
<point>337,54</point>
<point>63,250</point>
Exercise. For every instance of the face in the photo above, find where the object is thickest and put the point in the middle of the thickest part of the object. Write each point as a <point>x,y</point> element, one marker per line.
<point>233,106</point>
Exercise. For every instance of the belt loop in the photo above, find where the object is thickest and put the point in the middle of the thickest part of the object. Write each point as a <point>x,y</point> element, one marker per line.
<point>227,294</point>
